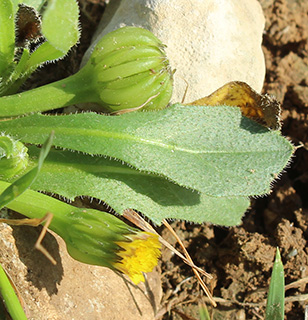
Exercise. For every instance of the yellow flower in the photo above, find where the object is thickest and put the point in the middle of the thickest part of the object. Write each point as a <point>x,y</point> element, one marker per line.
<point>138,255</point>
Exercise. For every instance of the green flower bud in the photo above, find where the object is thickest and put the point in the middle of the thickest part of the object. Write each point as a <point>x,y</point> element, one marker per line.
<point>13,157</point>
<point>91,236</point>
<point>128,70</point>
<point>101,239</point>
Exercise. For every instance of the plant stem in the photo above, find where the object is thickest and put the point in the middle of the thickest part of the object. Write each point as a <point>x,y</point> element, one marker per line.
<point>91,236</point>
<point>35,205</point>
<point>74,89</point>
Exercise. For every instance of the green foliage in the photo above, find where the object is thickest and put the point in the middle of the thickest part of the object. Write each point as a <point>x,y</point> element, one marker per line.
<point>219,152</point>
<point>197,163</point>
<point>60,24</point>
<point>8,295</point>
<point>7,38</point>
<point>61,31</point>
<point>193,163</point>
<point>276,292</point>
<point>128,70</point>
<point>13,156</point>
<point>73,174</point>
<point>203,311</point>
<point>24,182</point>
<point>16,64</point>
<point>188,162</point>
<point>36,4</point>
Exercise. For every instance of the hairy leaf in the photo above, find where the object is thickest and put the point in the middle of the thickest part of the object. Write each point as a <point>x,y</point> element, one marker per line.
<point>44,53</point>
<point>7,36</point>
<point>60,24</point>
<point>214,150</point>
<point>71,174</point>
<point>36,4</point>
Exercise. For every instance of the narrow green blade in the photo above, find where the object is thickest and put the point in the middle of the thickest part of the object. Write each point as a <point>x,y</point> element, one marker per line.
<point>11,301</point>
<point>276,293</point>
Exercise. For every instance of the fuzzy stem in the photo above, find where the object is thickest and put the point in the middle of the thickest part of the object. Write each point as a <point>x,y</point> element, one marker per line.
<point>33,204</point>
<point>74,89</point>
<point>90,235</point>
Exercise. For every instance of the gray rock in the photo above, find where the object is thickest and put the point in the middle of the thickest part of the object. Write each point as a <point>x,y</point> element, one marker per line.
<point>208,42</point>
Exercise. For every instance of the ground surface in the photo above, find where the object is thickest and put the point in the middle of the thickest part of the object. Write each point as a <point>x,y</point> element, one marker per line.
<point>240,258</point>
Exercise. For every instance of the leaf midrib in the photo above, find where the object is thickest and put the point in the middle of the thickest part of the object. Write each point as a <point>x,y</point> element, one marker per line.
<point>65,131</point>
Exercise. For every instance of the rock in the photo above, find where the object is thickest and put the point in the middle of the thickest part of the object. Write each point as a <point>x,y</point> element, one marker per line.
<point>70,289</point>
<point>208,43</point>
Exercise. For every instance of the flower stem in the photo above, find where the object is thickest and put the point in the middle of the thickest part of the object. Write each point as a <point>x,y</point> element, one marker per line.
<point>74,89</point>
<point>128,69</point>
<point>35,205</point>
<point>92,236</point>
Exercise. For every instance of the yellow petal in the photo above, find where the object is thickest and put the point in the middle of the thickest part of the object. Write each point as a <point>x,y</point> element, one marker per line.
<point>138,255</point>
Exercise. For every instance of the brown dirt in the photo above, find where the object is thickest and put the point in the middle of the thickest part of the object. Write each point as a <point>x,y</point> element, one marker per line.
<point>239,258</point>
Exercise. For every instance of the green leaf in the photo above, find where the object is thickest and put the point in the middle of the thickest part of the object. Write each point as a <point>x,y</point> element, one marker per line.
<point>60,28</point>
<point>13,157</point>
<point>275,299</point>
<point>17,76</point>
<point>24,182</point>
<point>60,24</point>
<point>73,174</point>
<point>214,150</point>
<point>36,4</point>
<point>7,35</point>
<point>203,312</point>
<point>8,295</point>
<point>44,53</point>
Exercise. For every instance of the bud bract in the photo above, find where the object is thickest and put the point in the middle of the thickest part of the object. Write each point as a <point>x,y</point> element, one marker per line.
<point>130,70</point>
<point>13,157</point>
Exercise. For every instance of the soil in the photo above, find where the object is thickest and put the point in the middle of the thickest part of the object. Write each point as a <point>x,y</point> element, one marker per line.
<point>240,258</point>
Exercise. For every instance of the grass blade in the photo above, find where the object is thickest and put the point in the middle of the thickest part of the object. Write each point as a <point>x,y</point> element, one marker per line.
<point>11,301</point>
<point>275,299</point>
